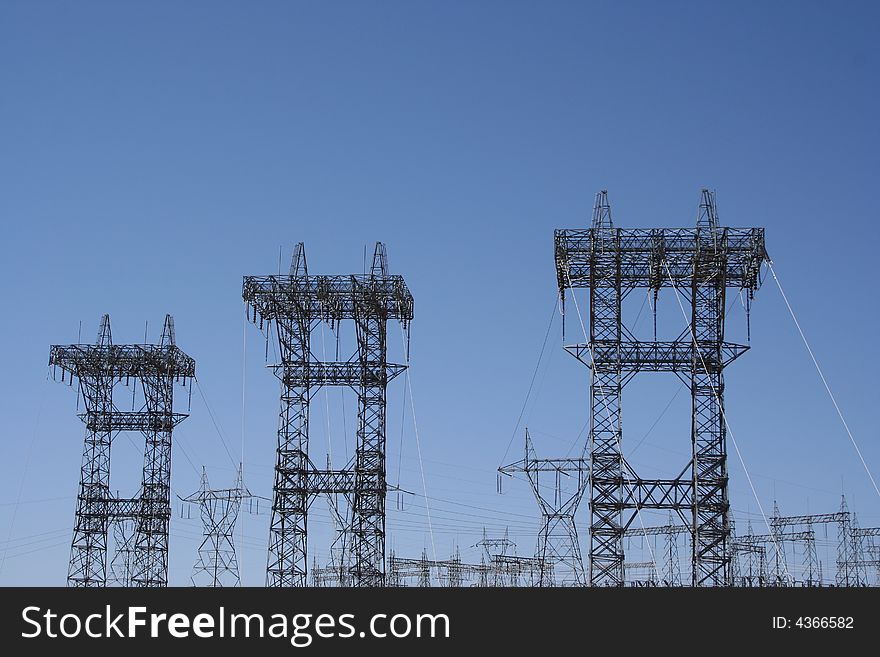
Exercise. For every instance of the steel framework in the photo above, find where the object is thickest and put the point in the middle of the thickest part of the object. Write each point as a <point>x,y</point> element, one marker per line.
<point>700,264</point>
<point>217,565</point>
<point>755,554</point>
<point>295,304</point>
<point>850,561</point>
<point>671,575</point>
<point>500,570</point>
<point>558,548</point>
<point>99,368</point>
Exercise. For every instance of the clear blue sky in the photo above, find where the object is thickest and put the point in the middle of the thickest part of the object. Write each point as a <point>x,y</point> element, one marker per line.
<point>153,153</point>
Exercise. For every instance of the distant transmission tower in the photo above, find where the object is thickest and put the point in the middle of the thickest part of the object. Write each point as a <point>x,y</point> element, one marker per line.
<point>699,264</point>
<point>217,564</point>
<point>122,563</point>
<point>558,546</point>
<point>99,368</point>
<point>671,575</point>
<point>296,304</point>
<point>850,570</point>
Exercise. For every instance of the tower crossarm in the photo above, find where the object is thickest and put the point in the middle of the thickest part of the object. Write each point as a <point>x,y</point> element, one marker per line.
<point>657,531</point>
<point>674,494</point>
<point>131,421</point>
<point>675,356</point>
<point>131,508</point>
<point>659,257</point>
<point>545,465</point>
<point>332,481</point>
<point>122,361</point>
<point>218,495</point>
<point>782,536</point>
<point>817,519</point>
<point>346,373</point>
<point>318,482</point>
<point>866,531</point>
<point>518,564</point>
<point>329,297</point>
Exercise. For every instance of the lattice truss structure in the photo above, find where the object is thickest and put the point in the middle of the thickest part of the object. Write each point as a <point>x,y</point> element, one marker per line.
<point>768,559</point>
<point>217,564</point>
<point>296,304</point>
<point>788,554</point>
<point>664,568</point>
<point>700,264</point>
<point>499,566</point>
<point>140,523</point>
<point>558,549</point>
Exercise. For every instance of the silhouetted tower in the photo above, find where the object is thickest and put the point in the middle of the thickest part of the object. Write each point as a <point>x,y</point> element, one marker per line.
<point>700,264</point>
<point>295,304</point>
<point>99,368</point>
<point>558,546</point>
<point>217,564</point>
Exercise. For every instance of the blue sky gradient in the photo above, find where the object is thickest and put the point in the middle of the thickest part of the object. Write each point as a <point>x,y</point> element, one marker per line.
<point>151,154</point>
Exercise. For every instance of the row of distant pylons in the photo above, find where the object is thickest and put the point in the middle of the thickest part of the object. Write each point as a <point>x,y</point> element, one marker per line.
<point>699,265</point>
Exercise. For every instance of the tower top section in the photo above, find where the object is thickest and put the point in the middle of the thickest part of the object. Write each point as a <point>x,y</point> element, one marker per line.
<point>333,297</point>
<point>660,257</point>
<point>124,361</point>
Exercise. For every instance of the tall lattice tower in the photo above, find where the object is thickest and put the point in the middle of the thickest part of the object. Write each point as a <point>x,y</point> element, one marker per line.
<point>699,264</point>
<point>99,368</point>
<point>558,548</point>
<point>296,304</point>
<point>217,564</point>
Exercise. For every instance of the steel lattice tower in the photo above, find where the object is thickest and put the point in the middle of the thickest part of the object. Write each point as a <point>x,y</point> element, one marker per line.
<point>122,562</point>
<point>699,264</point>
<point>217,565</point>
<point>869,551</point>
<point>755,573</point>
<point>670,531</point>
<point>99,368</point>
<point>850,562</point>
<point>295,304</point>
<point>558,546</point>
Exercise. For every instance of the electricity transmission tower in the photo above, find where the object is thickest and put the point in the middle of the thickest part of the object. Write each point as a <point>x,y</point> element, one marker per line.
<point>754,571</point>
<point>868,550</point>
<point>217,564</point>
<point>100,368</point>
<point>122,561</point>
<point>671,575</point>
<point>558,545</point>
<point>296,304</point>
<point>699,264</point>
<point>850,563</point>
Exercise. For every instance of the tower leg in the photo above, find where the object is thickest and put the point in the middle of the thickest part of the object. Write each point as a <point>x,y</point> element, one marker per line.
<point>368,512</point>
<point>151,539</point>
<point>287,565</point>
<point>88,552</point>
<point>710,512</point>
<point>606,481</point>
